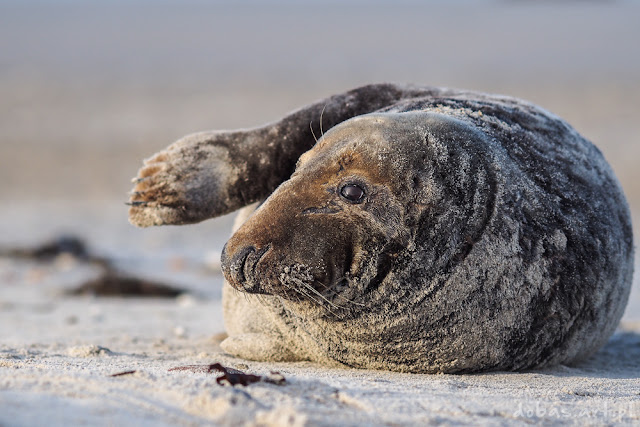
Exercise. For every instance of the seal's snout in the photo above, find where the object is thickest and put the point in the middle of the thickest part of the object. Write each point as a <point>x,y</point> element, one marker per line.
<point>239,267</point>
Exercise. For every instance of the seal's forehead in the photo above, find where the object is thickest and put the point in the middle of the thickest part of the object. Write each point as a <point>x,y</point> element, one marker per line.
<point>387,143</point>
<point>362,136</point>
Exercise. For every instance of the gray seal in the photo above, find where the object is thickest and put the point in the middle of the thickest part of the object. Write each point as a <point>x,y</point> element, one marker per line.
<point>427,230</point>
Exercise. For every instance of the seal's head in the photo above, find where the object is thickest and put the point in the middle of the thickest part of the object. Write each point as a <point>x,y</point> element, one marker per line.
<point>331,223</point>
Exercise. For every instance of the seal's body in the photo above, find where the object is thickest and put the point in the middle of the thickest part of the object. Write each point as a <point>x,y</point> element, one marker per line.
<point>429,230</point>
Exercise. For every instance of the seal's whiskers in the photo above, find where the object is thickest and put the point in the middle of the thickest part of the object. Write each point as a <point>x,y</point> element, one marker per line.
<point>315,291</point>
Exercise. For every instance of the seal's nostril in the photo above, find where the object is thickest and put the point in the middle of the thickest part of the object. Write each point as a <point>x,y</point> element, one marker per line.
<point>233,266</point>
<point>239,268</point>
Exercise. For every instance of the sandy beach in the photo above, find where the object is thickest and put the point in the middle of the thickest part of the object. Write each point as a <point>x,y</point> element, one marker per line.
<point>88,91</point>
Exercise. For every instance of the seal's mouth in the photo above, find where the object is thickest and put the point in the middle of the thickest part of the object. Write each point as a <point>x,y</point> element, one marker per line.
<point>323,286</point>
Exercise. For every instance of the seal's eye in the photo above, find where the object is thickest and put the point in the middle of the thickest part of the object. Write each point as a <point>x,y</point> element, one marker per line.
<point>353,193</point>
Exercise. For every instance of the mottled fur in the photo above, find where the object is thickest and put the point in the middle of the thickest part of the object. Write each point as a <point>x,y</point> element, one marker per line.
<point>491,235</point>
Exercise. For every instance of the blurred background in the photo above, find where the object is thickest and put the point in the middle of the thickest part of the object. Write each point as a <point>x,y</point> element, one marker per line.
<point>90,88</point>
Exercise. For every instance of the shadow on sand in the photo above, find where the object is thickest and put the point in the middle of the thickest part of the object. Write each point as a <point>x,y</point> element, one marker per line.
<point>619,358</point>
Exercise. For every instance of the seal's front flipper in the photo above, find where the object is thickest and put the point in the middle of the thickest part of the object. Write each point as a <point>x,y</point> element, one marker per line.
<point>261,347</point>
<point>209,174</point>
<point>186,183</point>
<point>213,173</point>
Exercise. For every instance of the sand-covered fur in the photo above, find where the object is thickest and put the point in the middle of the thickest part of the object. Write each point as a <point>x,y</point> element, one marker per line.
<point>428,230</point>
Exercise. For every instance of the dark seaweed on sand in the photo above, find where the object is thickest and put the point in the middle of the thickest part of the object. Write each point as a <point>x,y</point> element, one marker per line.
<point>110,283</point>
<point>114,284</point>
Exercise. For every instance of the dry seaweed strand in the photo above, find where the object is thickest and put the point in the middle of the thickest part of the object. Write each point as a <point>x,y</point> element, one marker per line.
<point>121,374</point>
<point>231,376</point>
